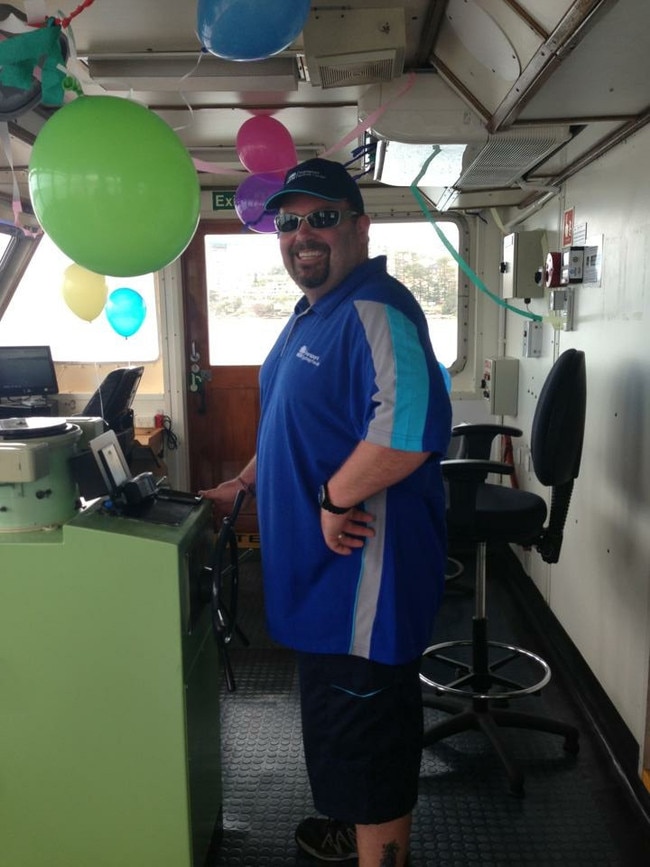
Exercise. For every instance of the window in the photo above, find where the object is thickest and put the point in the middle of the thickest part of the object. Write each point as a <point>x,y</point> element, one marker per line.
<point>38,315</point>
<point>250,295</point>
<point>5,242</point>
<point>418,259</point>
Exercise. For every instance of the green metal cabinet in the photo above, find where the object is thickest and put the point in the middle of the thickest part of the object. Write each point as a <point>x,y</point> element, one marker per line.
<point>109,695</point>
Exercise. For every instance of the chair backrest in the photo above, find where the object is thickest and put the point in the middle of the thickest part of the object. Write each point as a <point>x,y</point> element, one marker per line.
<point>112,400</point>
<point>556,441</point>
<point>559,421</point>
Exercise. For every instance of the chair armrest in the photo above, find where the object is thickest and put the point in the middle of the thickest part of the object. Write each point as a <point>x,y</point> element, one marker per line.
<point>463,479</point>
<point>474,468</point>
<point>477,438</point>
<point>464,428</point>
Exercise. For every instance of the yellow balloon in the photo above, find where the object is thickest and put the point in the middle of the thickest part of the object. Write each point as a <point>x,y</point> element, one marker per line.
<point>84,292</point>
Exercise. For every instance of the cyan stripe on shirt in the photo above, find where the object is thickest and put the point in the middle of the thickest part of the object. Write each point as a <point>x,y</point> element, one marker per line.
<point>412,381</point>
<point>401,373</point>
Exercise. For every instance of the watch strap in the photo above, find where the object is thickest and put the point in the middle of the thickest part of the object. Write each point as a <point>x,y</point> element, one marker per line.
<point>327,504</point>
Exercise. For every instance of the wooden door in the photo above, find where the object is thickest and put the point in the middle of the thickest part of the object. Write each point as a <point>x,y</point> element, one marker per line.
<point>222,402</point>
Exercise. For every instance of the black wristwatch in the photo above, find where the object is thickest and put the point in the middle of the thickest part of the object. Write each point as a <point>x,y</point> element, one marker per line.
<point>325,503</point>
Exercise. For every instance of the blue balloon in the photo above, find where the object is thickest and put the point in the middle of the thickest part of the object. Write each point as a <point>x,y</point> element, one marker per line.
<point>446,376</point>
<point>125,310</point>
<point>249,29</point>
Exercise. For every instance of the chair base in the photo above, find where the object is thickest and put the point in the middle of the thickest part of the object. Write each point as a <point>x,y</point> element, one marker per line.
<point>477,680</point>
<point>482,717</point>
<point>479,683</point>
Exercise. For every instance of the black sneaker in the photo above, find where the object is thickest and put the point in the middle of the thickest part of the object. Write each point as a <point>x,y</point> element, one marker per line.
<point>327,839</point>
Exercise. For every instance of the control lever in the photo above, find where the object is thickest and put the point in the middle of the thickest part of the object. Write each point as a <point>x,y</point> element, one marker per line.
<point>139,489</point>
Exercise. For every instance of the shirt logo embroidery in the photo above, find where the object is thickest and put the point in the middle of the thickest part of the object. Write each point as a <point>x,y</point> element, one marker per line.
<point>305,355</point>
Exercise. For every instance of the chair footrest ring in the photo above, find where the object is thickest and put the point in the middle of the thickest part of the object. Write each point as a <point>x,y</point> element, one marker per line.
<point>471,677</point>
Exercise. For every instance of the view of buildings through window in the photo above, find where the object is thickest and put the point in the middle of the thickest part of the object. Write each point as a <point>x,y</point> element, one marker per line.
<point>250,295</point>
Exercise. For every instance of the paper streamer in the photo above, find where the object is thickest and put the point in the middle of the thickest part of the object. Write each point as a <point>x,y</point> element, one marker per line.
<point>476,280</point>
<point>372,118</point>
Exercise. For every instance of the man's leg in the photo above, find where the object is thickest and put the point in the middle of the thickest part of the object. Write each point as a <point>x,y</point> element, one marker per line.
<point>362,736</point>
<point>384,845</point>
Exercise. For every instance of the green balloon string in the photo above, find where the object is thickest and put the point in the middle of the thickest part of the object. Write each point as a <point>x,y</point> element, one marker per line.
<point>473,276</point>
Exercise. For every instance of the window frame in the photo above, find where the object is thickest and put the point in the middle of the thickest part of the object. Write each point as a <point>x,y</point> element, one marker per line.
<point>463,290</point>
<point>14,265</point>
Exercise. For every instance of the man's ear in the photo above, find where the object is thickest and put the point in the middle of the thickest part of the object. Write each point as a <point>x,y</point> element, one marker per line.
<point>363,226</point>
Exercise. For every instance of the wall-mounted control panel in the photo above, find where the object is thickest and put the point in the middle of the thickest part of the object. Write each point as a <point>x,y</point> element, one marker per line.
<point>523,257</point>
<point>500,383</point>
<point>532,340</point>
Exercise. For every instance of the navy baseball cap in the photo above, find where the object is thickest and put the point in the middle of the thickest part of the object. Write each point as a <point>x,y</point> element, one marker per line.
<point>321,178</point>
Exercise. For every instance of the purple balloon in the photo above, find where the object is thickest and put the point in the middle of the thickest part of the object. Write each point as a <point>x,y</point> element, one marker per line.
<point>250,197</point>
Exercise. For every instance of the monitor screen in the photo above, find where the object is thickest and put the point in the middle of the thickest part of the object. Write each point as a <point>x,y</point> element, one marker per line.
<point>27,370</point>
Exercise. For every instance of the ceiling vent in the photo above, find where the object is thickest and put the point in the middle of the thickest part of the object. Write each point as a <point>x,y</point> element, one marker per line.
<point>354,47</point>
<point>508,155</point>
<point>431,124</point>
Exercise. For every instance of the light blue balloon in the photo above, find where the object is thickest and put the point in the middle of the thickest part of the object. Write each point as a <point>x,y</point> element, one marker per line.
<point>125,310</point>
<point>446,376</point>
<point>249,29</point>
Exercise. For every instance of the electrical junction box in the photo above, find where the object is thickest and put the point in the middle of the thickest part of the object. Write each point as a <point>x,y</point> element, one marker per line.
<point>532,340</point>
<point>500,384</point>
<point>523,256</point>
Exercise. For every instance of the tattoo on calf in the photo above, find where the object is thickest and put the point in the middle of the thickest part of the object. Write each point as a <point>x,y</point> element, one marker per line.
<point>389,855</point>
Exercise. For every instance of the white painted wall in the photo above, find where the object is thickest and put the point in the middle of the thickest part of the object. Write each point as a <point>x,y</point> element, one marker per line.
<point>600,589</point>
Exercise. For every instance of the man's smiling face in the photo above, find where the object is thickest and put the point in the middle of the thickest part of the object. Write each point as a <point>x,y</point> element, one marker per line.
<point>318,259</point>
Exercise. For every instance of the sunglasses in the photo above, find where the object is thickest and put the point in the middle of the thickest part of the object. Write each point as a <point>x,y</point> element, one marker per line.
<point>325,219</point>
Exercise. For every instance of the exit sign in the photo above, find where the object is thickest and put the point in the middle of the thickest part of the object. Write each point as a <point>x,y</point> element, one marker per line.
<point>223,200</point>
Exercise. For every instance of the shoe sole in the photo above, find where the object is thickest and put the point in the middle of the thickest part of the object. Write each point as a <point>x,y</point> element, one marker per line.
<point>318,856</point>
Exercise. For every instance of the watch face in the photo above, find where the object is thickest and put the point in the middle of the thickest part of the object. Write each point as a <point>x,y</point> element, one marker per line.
<point>325,503</point>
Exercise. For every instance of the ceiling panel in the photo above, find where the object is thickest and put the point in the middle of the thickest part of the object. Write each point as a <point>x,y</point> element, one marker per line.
<point>599,78</point>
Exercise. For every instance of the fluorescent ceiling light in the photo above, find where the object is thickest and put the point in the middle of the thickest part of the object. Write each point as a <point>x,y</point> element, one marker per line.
<point>169,73</point>
<point>227,156</point>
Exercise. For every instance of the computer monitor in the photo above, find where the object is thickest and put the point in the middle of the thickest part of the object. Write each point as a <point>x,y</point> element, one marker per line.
<point>112,400</point>
<point>27,371</point>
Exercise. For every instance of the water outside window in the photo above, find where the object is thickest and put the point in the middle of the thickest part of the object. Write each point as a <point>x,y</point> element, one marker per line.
<point>250,295</point>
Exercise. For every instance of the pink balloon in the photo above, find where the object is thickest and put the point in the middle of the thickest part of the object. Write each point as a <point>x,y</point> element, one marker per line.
<point>249,201</point>
<point>265,145</point>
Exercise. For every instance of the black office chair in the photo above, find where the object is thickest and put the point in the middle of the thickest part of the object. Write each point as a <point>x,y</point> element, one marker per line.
<point>112,400</point>
<point>479,513</point>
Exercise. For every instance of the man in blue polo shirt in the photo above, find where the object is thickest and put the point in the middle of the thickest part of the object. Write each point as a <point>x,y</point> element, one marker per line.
<point>355,417</point>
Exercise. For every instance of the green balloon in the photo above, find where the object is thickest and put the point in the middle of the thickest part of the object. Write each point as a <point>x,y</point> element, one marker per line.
<point>113,186</point>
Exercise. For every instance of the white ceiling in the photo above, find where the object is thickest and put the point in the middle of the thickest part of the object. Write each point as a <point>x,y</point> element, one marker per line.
<point>582,63</point>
